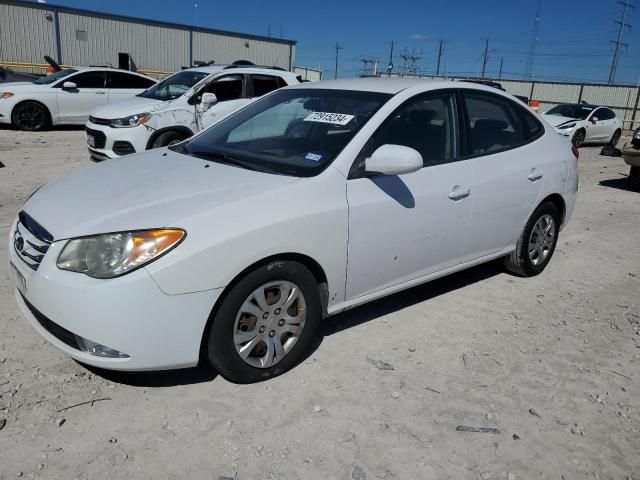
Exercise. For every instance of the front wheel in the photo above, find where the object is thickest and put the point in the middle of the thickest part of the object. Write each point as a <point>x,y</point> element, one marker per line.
<point>615,138</point>
<point>578,138</point>
<point>537,242</point>
<point>265,323</point>
<point>31,117</point>
<point>168,139</point>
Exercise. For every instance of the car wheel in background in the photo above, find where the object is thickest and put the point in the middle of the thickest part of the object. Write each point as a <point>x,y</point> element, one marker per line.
<point>615,138</point>
<point>167,139</point>
<point>578,138</point>
<point>536,243</point>
<point>31,116</point>
<point>265,323</point>
<point>634,178</point>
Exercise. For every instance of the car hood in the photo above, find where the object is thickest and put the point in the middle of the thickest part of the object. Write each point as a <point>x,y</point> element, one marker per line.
<point>129,106</point>
<point>153,189</point>
<point>556,120</point>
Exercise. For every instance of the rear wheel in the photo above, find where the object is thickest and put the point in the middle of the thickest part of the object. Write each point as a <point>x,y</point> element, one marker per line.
<point>266,322</point>
<point>31,116</point>
<point>634,178</point>
<point>536,243</point>
<point>578,138</point>
<point>615,138</point>
<point>167,139</point>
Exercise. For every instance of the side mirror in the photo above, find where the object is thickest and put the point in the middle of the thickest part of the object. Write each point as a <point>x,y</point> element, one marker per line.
<point>69,86</point>
<point>208,100</point>
<point>594,120</point>
<point>393,160</point>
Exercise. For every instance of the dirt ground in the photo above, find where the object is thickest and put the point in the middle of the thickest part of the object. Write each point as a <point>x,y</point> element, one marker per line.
<point>552,362</point>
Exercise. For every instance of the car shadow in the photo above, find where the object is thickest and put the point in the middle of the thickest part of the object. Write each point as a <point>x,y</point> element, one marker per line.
<point>330,326</point>
<point>57,128</point>
<point>619,183</point>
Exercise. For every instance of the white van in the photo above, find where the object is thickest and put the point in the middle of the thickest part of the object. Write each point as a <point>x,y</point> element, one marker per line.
<point>178,107</point>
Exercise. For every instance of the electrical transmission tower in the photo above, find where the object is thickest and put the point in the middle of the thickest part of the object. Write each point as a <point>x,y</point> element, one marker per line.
<point>485,58</point>
<point>535,37</point>
<point>618,42</point>
<point>369,66</point>
<point>410,61</point>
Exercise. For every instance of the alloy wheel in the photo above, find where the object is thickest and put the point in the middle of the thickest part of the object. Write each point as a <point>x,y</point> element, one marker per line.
<point>541,239</point>
<point>269,323</point>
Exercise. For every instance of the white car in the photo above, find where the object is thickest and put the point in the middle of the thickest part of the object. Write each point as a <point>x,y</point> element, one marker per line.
<point>232,246</point>
<point>179,106</point>
<point>66,97</point>
<point>585,123</point>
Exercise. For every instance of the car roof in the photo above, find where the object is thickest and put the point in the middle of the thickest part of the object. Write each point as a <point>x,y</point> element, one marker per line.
<point>583,105</point>
<point>107,69</point>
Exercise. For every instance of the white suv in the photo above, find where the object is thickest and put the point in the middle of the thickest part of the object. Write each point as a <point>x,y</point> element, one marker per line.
<point>178,107</point>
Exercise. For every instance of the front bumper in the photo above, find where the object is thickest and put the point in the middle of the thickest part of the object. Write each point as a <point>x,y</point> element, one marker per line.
<point>111,142</point>
<point>129,314</point>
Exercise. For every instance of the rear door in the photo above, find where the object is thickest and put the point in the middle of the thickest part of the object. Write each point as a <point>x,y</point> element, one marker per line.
<point>74,105</point>
<point>123,85</point>
<point>231,91</point>
<point>508,169</point>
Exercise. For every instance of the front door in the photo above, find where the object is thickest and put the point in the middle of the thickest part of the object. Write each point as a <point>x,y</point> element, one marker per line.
<point>75,104</point>
<point>405,227</point>
<point>231,93</point>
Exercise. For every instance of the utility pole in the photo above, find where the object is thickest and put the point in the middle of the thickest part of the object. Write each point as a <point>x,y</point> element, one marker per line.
<point>619,43</point>
<point>338,48</point>
<point>528,70</point>
<point>390,64</point>
<point>440,50</point>
<point>486,57</point>
<point>500,74</point>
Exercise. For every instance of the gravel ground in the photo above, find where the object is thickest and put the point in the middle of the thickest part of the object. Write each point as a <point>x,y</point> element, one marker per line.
<point>551,362</point>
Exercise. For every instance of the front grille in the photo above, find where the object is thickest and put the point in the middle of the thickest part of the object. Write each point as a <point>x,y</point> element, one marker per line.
<point>99,121</point>
<point>121,147</point>
<point>31,240</point>
<point>99,137</point>
<point>62,334</point>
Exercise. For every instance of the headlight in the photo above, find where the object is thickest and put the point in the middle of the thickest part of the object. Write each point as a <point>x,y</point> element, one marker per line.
<point>4,95</point>
<point>570,125</point>
<point>636,135</point>
<point>132,121</point>
<point>114,254</point>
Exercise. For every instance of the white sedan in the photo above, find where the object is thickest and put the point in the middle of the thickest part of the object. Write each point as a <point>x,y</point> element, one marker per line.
<point>232,246</point>
<point>585,123</point>
<point>66,97</point>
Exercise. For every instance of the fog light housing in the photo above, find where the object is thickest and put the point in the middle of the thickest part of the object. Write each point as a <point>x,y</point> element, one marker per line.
<point>98,350</point>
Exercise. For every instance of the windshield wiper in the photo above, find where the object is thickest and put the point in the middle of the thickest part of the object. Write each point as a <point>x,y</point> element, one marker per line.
<point>228,159</point>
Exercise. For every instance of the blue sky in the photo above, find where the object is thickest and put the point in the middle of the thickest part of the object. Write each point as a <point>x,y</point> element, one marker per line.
<point>574,35</point>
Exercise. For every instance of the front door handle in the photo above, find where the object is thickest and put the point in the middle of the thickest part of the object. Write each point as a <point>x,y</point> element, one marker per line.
<point>459,193</point>
<point>534,176</point>
<point>101,93</point>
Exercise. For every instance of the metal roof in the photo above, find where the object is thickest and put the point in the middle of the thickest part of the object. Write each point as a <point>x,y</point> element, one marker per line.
<point>181,26</point>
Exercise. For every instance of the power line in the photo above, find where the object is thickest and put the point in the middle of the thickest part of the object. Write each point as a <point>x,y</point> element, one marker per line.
<point>618,43</point>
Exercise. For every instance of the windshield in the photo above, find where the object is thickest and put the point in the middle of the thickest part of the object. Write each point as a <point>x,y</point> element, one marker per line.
<point>174,86</point>
<point>292,132</point>
<point>48,79</point>
<point>571,111</point>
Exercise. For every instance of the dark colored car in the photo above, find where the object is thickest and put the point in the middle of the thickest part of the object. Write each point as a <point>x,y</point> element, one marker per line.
<point>7,75</point>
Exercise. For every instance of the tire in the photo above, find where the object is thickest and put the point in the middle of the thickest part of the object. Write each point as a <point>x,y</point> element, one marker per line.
<point>578,138</point>
<point>31,117</point>
<point>634,178</point>
<point>525,264</point>
<point>240,324</point>
<point>615,138</point>
<point>167,139</point>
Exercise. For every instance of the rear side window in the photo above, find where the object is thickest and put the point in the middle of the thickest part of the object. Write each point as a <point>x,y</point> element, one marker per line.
<point>125,80</point>
<point>494,124</point>
<point>263,84</point>
<point>531,126</point>
<point>88,80</point>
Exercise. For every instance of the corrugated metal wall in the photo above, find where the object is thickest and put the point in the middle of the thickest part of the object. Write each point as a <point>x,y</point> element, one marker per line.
<point>26,23</point>
<point>27,33</point>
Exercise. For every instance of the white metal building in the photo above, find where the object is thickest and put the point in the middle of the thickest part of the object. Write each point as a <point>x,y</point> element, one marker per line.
<point>30,30</point>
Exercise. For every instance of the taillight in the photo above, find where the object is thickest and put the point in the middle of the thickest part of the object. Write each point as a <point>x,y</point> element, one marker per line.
<point>575,151</point>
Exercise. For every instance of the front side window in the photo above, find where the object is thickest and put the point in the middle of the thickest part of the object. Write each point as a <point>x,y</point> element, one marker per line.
<point>493,124</point>
<point>87,80</point>
<point>295,132</point>
<point>579,112</point>
<point>604,114</point>
<point>425,124</point>
<point>226,88</point>
<point>54,77</point>
<point>174,86</point>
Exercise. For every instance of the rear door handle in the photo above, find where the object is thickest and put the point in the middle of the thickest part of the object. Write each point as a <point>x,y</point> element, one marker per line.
<point>459,193</point>
<point>534,176</point>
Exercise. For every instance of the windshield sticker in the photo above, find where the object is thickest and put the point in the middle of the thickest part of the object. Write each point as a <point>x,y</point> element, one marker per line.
<point>333,118</point>
<point>314,157</point>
